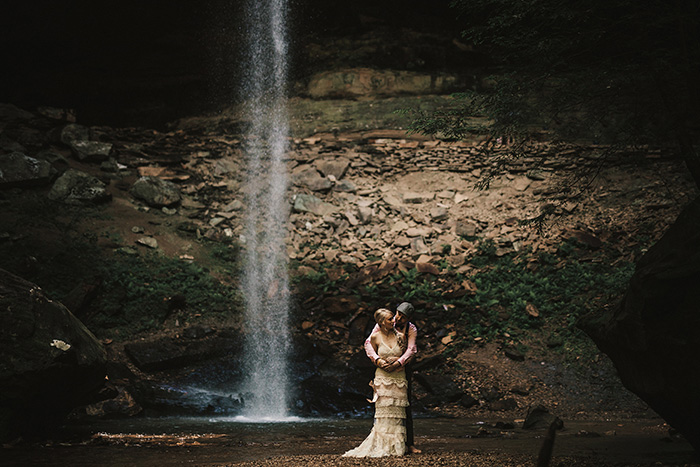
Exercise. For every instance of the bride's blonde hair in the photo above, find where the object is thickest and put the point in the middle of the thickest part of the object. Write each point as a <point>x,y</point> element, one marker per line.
<point>381,314</point>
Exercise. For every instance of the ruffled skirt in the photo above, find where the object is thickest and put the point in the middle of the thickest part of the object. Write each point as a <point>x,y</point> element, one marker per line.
<point>388,435</point>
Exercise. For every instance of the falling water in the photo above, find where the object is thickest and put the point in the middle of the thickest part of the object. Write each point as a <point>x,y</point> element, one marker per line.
<point>265,282</point>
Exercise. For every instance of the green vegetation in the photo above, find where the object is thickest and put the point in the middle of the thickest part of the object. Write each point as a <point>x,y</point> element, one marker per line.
<point>138,291</point>
<point>132,287</point>
<point>518,299</point>
<point>557,289</point>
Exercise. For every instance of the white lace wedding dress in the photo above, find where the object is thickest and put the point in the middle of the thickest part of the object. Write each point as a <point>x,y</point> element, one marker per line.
<point>388,435</point>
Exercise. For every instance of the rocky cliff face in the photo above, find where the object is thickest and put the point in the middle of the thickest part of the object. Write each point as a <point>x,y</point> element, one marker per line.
<point>151,62</point>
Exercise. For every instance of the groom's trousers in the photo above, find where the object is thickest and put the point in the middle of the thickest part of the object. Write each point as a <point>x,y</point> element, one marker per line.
<point>409,416</point>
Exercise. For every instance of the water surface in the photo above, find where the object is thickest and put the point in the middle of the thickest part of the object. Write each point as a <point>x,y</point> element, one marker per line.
<point>227,440</point>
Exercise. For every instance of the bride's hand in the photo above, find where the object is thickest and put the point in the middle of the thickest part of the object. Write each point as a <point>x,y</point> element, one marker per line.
<point>382,363</point>
<point>391,359</point>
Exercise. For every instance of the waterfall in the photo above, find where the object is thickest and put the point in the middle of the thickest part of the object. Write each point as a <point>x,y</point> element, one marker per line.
<point>265,281</point>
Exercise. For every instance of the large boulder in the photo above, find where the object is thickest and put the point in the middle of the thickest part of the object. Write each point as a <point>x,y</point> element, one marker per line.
<point>79,188</point>
<point>156,192</point>
<point>189,348</point>
<point>10,113</point>
<point>74,132</point>
<point>652,336</point>
<point>50,362</point>
<point>17,169</point>
<point>90,151</point>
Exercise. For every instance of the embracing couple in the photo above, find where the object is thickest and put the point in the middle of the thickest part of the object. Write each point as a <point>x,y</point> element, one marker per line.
<point>392,347</point>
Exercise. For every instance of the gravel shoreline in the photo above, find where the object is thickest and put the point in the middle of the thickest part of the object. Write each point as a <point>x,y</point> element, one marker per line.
<point>456,459</point>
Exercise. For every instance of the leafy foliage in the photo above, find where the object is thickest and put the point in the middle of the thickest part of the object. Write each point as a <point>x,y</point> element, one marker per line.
<point>560,287</point>
<point>615,72</point>
<point>138,289</point>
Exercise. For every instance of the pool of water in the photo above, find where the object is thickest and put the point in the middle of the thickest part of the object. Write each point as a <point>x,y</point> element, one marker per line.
<point>226,440</point>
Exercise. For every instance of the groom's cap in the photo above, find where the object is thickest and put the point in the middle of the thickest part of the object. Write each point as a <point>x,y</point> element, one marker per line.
<point>405,309</point>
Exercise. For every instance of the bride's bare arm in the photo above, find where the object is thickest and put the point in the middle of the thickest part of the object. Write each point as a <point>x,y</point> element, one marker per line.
<point>381,362</point>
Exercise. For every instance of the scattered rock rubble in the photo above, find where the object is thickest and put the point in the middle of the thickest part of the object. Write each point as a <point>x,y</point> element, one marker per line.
<point>375,202</point>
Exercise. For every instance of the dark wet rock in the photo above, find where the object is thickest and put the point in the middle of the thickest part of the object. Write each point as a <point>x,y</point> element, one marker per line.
<point>67,115</point>
<point>32,138</point>
<point>326,385</point>
<point>50,362</point>
<point>77,188</point>
<point>651,337</point>
<point>431,362</point>
<point>490,394</point>
<point>54,158</point>
<point>172,352</point>
<point>79,299</point>
<point>468,401</point>
<point>8,145</point>
<point>110,166</point>
<point>441,389</point>
<point>359,330</point>
<point>17,169</point>
<point>503,405</point>
<point>538,417</point>
<point>196,331</point>
<point>324,395</point>
<point>74,132</point>
<point>12,113</point>
<point>121,404</point>
<point>156,192</point>
<point>504,425</point>
<point>514,354</point>
<point>90,151</point>
<point>158,398</point>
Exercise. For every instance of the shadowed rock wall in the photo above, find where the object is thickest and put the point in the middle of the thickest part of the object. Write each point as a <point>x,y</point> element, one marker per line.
<point>652,337</point>
<point>49,362</point>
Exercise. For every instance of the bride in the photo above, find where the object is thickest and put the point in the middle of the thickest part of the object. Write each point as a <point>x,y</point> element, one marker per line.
<point>388,435</point>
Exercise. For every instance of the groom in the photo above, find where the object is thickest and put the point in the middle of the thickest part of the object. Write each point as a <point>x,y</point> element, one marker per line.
<point>404,313</point>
